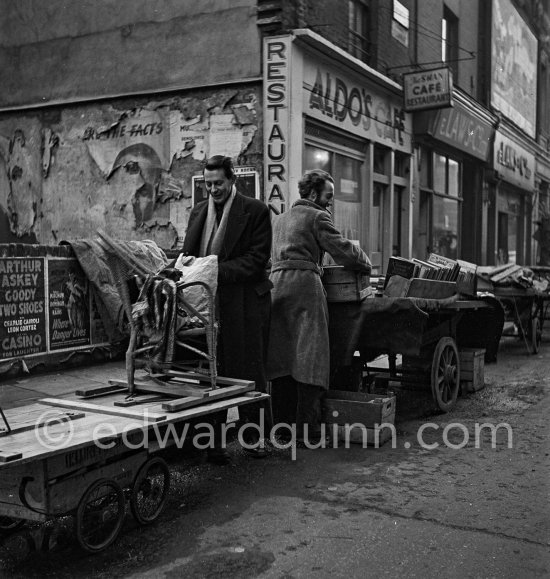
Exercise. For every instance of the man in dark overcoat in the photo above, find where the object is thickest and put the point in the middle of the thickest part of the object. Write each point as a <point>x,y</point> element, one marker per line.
<point>238,230</point>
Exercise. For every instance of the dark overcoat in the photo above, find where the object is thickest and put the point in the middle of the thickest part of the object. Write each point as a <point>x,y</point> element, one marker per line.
<point>243,286</point>
<point>298,339</point>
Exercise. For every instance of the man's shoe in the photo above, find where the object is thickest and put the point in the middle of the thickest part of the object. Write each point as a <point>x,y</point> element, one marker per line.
<point>218,456</point>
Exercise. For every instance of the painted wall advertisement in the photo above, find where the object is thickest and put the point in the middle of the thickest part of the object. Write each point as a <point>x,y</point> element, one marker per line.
<point>514,66</point>
<point>22,307</point>
<point>45,306</point>
<point>68,304</point>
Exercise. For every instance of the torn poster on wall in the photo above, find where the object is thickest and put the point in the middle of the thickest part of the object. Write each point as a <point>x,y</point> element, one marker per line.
<point>68,304</point>
<point>220,134</point>
<point>138,141</point>
<point>188,137</point>
<point>22,307</point>
<point>227,137</point>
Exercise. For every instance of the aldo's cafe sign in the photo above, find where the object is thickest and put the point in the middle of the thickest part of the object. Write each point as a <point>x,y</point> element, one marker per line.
<point>513,163</point>
<point>355,106</point>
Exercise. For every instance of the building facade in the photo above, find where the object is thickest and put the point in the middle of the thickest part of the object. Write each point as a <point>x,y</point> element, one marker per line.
<point>108,113</point>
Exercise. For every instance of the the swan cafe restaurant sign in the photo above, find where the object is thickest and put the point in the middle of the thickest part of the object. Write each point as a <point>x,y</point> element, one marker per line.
<point>428,89</point>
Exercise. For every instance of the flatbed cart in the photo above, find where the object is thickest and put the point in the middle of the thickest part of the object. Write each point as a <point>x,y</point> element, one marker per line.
<point>527,309</point>
<point>428,333</point>
<point>85,458</point>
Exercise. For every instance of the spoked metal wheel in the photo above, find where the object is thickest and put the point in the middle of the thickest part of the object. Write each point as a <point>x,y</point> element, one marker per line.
<point>535,334</point>
<point>445,374</point>
<point>8,525</point>
<point>100,515</point>
<point>150,490</point>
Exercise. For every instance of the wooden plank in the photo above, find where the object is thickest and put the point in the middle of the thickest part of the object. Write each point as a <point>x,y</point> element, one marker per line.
<point>98,390</point>
<point>32,424</point>
<point>82,437</point>
<point>505,273</point>
<point>175,390</point>
<point>183,403</point>
<point>204,378</point>
<point>8,456</point>
<point>86,406</point>
<point>219,394</point>
<point>135,400</point>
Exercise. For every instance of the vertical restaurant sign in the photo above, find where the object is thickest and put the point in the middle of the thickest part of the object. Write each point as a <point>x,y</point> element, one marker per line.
<point>69,304</point>
<point>352,105</point>
<point>276,121</point>
<point>22,307</point>
<point>513,66</point>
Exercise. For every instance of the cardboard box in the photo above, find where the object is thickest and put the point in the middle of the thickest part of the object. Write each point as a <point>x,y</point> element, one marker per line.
<point>345,285</point>
<point>359,416</point>
<point>472,369</point>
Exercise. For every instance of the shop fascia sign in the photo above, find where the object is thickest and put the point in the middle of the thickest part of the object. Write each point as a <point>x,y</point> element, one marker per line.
<point>458,127</point>
<point>429,89</point>
<point>513,163</point>
<point>335,99</point>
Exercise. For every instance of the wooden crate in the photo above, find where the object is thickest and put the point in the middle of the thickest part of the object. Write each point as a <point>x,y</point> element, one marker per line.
<point>431,288</point>
<point>345,285</point>
<point>472,369</point>
<point>358,416</point>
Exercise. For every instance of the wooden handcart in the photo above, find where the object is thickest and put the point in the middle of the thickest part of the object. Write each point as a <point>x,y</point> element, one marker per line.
<point>428,333</point>
<point>87,459</point>
<point>526,308</point>
<point>56,458</point>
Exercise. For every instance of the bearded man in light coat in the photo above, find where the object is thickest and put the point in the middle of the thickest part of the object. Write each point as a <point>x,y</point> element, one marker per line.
<point>299,351</point>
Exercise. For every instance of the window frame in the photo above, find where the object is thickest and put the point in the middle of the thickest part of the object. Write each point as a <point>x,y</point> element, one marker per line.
<point>358,40</point>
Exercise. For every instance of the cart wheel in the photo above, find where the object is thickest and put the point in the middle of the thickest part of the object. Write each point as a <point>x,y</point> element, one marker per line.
<point>150,490</point>
<point>535,335</point>
<point>8,525</point>
<point>445,374</point>
<point>100,515</point>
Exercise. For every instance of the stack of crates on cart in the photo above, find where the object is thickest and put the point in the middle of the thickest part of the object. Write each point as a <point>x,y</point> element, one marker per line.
<point>472,368</point>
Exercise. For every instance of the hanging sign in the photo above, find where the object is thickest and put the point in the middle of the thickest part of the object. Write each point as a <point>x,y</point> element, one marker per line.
<point>428,89</point>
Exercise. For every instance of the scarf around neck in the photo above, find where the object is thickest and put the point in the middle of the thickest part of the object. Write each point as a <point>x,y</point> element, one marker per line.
<point>212,233</point>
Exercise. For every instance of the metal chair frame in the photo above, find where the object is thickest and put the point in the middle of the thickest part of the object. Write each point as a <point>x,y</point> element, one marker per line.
<point>124,267</point>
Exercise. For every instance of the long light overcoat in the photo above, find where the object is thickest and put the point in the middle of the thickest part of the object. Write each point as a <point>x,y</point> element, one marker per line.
<point>298,339</point>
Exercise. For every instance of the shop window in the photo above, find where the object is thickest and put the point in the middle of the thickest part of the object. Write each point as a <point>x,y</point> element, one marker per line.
<point>453,178</point>
<point>346,172</point>
<point>510,229</point>
<point>380,156</point>
<point>316,158</point>
<point>440,209</point>
<point>398,194</point>
<point>425,167</point>
<point>440,174</point>
<point>445,227</point>
<point>377,219</point>
<point>358,30</point>
<point>401,164</point>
